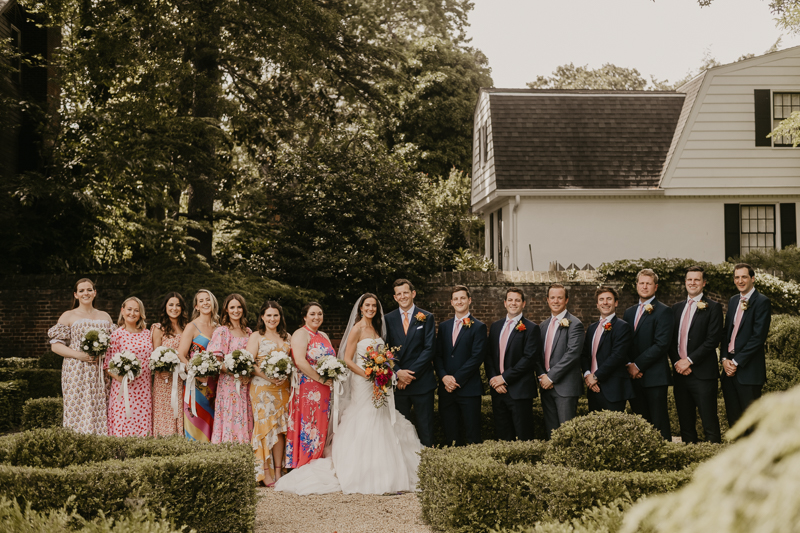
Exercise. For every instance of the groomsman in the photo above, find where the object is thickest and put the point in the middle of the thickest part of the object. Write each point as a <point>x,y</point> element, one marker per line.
<point>414,331</point>
<point>459,353</point>
<point>605,353</point>
<point>559,366</point>
<point>649,367</point>
<point>693,352</point>
<point>513,349</point>
<point>746,328</point>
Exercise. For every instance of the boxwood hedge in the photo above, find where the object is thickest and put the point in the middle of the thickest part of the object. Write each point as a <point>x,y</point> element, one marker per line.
<point>43,413</point>
<point>12,395</point>
<point>206,487</point>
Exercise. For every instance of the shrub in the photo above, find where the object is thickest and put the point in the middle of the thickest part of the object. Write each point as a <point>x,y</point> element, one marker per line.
<point>18,362</point>
<point>12,396</point>
<point>605,440</point>
<point>783,341</point>
<point>207,487</point>
<point>43,413</point>
<point>51,360</point>
<point>603,519</point>
<point>780,376</point>
<point>679,456</point>
<point>41,383</point>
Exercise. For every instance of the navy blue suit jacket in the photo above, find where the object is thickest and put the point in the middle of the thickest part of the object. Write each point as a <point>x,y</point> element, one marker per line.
<point>612,356</point>
<point>416,349</point>
<point>750,339</point>
<point>650,343</point>
<point>462,361</point>
<point>705,330</point>
<point>519,361</point>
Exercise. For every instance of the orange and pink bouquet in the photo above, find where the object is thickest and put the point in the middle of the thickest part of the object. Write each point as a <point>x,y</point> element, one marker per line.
<point>379,364</point>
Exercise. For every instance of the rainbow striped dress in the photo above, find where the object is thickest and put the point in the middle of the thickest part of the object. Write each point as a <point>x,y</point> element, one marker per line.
<point>199,428</point>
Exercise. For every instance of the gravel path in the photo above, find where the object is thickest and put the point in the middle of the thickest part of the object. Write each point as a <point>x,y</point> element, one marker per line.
<point>279,512</point>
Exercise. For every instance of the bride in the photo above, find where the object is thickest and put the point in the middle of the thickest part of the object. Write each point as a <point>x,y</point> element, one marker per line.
<point>373,450</point>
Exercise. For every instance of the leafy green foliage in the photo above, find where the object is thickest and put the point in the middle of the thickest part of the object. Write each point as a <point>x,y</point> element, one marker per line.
<point>42,383</point>
<point>785,260</point>
<point>783,341</point>
<point>609,77</point>
<point>51,360</point>
<point>780,376</point>
<point>12,395</point>
<point>42,413</point>
<point>19,362</point>
<point>598,519</point>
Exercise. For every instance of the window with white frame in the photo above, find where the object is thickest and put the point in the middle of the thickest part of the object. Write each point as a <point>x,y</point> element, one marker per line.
<point>757,227</point>
<point>783,105</point>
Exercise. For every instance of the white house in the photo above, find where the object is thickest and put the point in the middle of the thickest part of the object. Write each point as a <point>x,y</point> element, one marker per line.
<point>591,176</point>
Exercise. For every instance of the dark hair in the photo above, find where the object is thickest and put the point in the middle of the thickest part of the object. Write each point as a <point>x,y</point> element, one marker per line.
<point>262,327</point>
<point>166,321</point>
<point>697,268</point>
<point>225,319</point>
<point>750,270</point>
<point>558,286</point>
<point>309,305</point>
<point>403,281</point>
<point>517,290</point>
<point>459,288</point>
<point>605,288</point>
<point>376,320</point>
<point>76,303</point>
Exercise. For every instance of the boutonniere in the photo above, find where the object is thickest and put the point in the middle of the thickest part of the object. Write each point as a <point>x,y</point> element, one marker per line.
<point>520,326</point>
<point>702,305</point>
<point>743,305</point>
<point>564,322</point>
<point>648,308</point>
<point>467,322</point>
<point>420,317</point>
<point>607,326</point>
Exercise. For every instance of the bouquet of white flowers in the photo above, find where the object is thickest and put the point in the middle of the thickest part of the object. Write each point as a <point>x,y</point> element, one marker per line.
<point>128,367</point>
<point>95,343</point>
<point>278,365</point>
<point>239,363</point>
<point>164,359</point>
<point>202,365</point>
<point>329,367</point>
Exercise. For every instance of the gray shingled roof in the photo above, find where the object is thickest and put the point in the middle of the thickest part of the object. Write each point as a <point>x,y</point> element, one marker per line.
<point>557,139</point>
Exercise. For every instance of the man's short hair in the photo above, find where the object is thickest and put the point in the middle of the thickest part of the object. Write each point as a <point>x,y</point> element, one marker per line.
<point>605,288</point>
<point>403,281</point>
<point>750,270</point>
<point>647,272</point>
<point>459,288</point>
<point>517,290</point>
<point>558,286</point>
<point>697,268</point>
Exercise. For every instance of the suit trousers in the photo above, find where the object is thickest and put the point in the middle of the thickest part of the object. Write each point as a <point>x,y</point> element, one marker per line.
<point>460,412</point>
<point>651,404</point>
<point>692,395</point>
<point>598,402</point>
<point>557,409</point>
<point>513,419</point>
<point>423,411</point>
<point>738,397</point>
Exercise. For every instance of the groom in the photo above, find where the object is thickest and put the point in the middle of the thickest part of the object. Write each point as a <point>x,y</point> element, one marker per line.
<point>413,329</point>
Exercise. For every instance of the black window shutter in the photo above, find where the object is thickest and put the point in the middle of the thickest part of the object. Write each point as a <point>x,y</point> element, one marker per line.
<point>788,225</point>
<point>732,237</point>
<point>763,116</point>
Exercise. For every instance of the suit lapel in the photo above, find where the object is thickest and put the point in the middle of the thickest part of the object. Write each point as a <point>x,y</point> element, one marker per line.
<point>460,334</point>
<point>605,333</point>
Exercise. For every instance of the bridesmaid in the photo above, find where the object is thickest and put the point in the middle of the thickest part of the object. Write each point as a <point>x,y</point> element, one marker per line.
<point>195,338</point>
<point>311,401</point>
<point>174,319</point>
<point>82,382</point>
<point>269,397</point>
<point>131,335</point>
<point>233,420</point>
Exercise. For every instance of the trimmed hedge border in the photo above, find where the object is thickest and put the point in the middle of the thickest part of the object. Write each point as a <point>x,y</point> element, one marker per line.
<point>42,383</point>
<point>12,395</point>
<point>19,362</point>
<point>206,487</point>
<point>39,413</point>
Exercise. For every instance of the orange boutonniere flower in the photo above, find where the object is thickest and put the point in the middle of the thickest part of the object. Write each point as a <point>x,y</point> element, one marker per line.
<point>520,326</point>
<point>702,306</point>
<point>420,317</point>
<point>467,322</point>
<point>607,326</point>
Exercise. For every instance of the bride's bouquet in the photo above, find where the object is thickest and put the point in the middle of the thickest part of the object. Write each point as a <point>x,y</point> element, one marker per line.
<point>125,365</point>
<point>329,367</point>
<point>164,359</point>
<point>240,363</point>
<point>379,364</point>
<point>95,343</point>
<point>277,366</point>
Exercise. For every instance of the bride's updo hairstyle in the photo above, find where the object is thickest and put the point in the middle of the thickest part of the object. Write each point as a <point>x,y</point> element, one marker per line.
<point>262,327</point>
<point>377,323</point>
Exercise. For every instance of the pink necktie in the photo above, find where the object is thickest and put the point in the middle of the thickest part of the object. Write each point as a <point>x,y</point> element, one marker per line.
<point>736,321</point>
<point>596,342</point>
<point>503,342</point>
<point>456,329</point>
<point>548,345</point>
<point>638,316</point>
<point>684,338</point>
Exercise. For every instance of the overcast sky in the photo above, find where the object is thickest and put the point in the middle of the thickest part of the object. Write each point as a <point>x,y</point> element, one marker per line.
<point>665,38</point>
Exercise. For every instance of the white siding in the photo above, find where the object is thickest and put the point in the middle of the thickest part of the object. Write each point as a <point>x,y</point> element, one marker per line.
<point>483,177</point>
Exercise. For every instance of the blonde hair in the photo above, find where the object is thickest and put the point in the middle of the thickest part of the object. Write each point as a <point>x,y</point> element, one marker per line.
<point>141,323</point>
<point>650,273</point>
<point>214,306</point>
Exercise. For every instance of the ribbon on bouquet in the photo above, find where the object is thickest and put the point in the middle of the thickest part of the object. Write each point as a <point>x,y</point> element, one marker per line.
<point>391,398</point>
<point>295,386</point>
<point>125,397</point>
<point>238,384</point>
<point>338,391</point>
<point>101,382</point>
<point>178,374</point>
<point>191,391</point>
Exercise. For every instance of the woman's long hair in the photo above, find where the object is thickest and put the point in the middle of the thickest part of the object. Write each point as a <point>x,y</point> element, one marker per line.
<point>225,319</point>
<point>166,321</point>
<point>262,327</point>
<point>376,320</point>
<point>142,322</point>
<point>214,306</point>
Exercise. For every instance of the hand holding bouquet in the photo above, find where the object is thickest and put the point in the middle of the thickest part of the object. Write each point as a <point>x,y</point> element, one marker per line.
<point>379,364</point>
<point>204,364</point>
<point>277,366</point>
<point>95,343</point>
<point>125,365</point>
<point>239,363</point>
<point>164,359</point>
<point>329,367</point>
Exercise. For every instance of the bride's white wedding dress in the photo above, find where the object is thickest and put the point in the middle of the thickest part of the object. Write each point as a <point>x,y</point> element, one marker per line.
<point>368,454</point>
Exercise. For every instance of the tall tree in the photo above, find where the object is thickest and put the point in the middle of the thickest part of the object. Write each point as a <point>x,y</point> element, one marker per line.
<point>610,77</point>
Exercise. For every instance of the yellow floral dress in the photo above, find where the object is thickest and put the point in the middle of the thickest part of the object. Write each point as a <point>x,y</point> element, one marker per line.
<point>270,411</point>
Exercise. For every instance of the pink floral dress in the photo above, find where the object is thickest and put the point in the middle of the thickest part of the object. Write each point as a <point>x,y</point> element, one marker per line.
<point>139,395</point>
<point>233,417</point>
<point>164,421</point>
<point>310,409</point>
